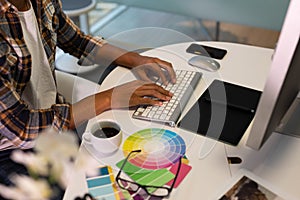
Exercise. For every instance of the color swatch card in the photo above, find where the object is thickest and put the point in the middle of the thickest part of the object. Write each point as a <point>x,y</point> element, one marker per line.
<point>157,177</point>
<point>103,186</point>
<point>184,170</point>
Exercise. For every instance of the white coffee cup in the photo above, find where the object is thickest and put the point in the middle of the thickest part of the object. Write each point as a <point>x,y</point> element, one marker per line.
<point>105,136</point>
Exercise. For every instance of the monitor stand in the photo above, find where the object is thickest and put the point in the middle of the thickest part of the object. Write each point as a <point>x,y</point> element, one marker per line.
<point>290,124</point>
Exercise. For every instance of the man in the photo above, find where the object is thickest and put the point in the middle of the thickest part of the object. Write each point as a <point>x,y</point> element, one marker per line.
<point>30,31</point>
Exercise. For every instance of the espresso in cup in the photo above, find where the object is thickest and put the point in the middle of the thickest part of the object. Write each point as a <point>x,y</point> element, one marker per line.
<point>105,136</point>
<point>106,132</point>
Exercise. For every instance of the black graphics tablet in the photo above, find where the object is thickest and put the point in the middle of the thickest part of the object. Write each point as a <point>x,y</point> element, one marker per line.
<point>223,112</point>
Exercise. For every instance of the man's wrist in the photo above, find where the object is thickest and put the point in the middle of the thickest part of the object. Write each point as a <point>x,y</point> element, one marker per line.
<point>129,60</point>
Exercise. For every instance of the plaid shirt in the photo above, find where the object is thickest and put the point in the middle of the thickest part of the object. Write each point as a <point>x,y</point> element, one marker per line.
<point>19,124</point>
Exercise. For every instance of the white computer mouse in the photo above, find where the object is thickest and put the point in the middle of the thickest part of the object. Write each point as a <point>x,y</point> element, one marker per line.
<point>206,63</point>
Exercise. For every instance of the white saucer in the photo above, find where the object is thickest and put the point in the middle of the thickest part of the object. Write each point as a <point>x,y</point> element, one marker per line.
<point>100,156</point>
<point>68,63</point>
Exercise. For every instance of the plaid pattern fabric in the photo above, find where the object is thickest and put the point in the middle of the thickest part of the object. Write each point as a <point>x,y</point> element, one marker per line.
<point>18,123</point>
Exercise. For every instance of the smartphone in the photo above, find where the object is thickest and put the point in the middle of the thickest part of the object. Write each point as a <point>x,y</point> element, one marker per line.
<point>208,51</point>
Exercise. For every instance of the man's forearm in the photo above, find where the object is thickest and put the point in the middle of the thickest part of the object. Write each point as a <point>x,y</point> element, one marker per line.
<point>109,54</point>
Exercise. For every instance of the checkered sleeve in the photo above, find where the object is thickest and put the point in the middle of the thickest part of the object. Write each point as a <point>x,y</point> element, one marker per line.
<point>22,125</point>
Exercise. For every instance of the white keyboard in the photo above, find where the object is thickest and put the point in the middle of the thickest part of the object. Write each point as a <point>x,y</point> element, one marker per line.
<point>170,111</point>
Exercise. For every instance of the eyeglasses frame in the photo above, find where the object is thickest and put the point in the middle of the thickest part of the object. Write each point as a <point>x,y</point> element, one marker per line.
<point>169,189</point>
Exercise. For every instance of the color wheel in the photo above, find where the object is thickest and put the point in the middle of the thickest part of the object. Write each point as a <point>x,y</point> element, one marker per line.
<point>160,148</point>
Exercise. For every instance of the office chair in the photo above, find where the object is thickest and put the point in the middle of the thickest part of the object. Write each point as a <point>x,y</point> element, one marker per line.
<point>80,9</point>
<point>74,88</point>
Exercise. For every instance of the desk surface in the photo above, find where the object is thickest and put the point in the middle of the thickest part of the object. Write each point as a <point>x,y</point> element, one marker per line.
<point>243,65</point>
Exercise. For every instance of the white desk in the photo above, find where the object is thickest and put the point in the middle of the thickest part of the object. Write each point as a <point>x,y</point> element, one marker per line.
<point>243,65</point>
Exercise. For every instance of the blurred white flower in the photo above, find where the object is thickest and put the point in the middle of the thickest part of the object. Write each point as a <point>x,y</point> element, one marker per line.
<point>26,189</point>
<point>51,164</point>
<point>55,145</point>
<point>35,163</point>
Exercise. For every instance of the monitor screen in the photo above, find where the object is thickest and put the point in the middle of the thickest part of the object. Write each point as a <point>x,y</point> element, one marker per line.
<point>283,81</point>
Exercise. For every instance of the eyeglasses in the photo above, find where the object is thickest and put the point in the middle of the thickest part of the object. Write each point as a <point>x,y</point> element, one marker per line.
<point>155,191</point>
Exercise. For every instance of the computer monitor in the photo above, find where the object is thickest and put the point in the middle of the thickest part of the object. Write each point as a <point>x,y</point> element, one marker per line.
<point>282,85</point>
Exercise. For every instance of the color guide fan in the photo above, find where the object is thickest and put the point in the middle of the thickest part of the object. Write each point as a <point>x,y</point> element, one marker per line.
<point>160,148</point>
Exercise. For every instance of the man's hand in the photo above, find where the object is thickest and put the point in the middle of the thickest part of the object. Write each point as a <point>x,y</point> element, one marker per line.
<point>136,93</point>
<point>148,67</point>
<point>143,66</point>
